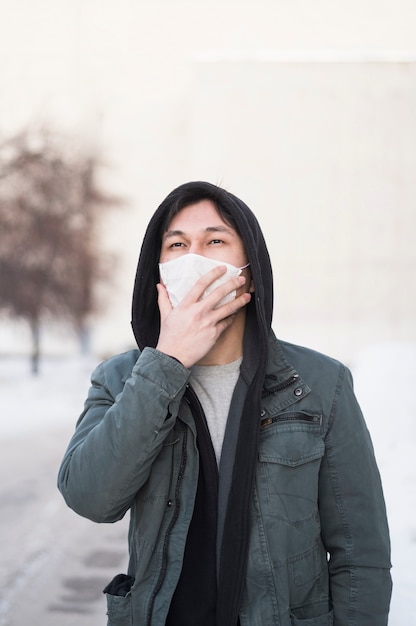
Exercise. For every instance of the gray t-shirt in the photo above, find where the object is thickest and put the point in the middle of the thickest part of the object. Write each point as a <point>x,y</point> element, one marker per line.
<point>214,386</point>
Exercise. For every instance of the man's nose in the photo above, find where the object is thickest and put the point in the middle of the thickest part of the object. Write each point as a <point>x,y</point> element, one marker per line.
<point>196,248</point>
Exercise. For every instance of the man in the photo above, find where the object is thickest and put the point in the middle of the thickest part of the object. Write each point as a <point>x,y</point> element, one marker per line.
<point>245,461</point>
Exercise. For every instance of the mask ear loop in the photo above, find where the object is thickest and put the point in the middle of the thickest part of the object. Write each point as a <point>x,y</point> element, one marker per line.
<point>251,289</point>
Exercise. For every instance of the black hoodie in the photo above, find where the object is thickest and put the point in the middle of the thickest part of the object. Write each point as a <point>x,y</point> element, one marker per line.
<point>145,324</point>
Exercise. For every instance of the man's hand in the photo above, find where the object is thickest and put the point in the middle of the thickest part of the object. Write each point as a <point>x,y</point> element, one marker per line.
<point>190,330</point>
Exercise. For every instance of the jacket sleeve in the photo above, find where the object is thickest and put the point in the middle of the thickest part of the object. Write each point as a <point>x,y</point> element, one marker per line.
<point>353,516</point>
<point>120,433</point>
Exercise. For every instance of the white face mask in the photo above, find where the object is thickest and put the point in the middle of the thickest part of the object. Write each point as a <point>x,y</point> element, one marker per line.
<point>181,274</point>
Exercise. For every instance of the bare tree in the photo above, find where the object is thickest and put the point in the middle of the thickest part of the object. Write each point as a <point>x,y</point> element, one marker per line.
<point>50,204</point>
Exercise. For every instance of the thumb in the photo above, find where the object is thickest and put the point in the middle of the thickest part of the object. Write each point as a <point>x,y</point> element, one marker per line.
<point>165,306</point>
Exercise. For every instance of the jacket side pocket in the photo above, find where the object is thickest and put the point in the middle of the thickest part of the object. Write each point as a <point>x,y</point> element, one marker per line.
<point>118,594</point>
<point>119,611</point>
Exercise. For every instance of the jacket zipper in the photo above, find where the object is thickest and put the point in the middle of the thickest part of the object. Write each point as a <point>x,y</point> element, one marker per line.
<point>169,529</point>
<point>281,386</point>
<point>291,417</point>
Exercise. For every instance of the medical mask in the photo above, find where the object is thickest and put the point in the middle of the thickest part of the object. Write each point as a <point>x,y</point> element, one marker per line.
<point>181,274</point>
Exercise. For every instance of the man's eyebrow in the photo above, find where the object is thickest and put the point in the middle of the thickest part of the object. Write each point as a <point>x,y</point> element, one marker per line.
<point>208,229</point>
<point>173,233</point>
<point>220,229</point>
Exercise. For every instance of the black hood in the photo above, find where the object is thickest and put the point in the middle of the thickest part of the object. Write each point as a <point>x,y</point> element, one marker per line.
<point>145,312</point>
<point>145,322</point>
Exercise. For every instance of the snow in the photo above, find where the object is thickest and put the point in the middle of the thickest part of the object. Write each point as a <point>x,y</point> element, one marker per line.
<point>383,376</point>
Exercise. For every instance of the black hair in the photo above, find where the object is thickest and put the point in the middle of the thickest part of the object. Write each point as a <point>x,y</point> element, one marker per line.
<point>189,194</point>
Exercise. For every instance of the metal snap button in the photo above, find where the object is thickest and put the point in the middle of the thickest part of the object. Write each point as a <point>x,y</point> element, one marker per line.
<point>262,413</point>
<point>298,391</point>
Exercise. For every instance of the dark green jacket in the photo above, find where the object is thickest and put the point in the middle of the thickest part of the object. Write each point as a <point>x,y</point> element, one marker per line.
<point>319,549</point>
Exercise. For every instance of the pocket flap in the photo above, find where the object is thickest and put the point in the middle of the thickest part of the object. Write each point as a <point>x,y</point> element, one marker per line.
<point>291,445</point>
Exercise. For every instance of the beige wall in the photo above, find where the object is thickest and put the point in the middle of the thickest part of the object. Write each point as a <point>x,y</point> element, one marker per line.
<point>324,150</point>
<point>299,107</point>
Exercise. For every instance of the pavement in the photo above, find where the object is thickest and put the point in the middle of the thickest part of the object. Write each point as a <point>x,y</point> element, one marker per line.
<point>53,563</point>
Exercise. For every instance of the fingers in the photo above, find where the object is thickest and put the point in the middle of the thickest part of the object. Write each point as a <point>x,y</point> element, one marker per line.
<point>210,302</point>
<point>226,313</point>
<point>215,300</point>
<point>190,330</point>
<point>229,309</point>
<point>216,293</point>
<point>197,291</point>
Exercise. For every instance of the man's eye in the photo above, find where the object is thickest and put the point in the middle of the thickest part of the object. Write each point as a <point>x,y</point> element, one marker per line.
<point>177,244</point>
<point>216,241</point>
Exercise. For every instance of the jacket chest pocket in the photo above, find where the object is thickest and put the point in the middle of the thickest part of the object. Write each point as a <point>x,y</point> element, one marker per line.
<point>290,450</point>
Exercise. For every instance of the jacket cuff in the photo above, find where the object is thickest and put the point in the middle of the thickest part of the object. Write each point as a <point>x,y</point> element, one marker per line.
<point>163,371</point>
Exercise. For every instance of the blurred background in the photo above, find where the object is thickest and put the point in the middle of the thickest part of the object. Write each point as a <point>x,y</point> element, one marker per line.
<point>307,111</point>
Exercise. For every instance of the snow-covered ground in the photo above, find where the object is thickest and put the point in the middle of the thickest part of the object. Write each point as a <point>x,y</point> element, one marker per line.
<point>384,385</point>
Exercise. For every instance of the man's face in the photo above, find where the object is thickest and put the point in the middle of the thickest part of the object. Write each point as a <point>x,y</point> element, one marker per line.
<point>199,229</point>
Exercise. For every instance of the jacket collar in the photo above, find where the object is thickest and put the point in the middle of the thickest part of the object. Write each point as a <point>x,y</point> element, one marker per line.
<point>283,385</point>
